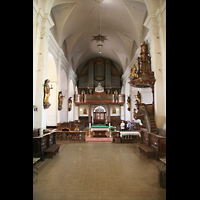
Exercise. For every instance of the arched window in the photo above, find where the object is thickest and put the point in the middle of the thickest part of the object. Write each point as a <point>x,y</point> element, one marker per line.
<point>99,109</point>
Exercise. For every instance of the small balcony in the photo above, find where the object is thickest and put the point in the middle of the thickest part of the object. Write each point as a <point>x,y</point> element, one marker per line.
<point>99,99</point>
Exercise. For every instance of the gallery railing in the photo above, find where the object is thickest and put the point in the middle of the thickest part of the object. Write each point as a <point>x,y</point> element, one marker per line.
<point>99,98</point>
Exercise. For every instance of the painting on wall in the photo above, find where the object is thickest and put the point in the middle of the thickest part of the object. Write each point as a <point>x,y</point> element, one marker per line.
<point>114,111</point>
<point>85,111</point>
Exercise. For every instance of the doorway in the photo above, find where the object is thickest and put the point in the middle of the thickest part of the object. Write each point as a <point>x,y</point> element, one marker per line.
<point>99,115</point>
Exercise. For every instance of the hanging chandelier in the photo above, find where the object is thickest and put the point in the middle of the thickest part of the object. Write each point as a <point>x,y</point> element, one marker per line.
<point>99,88</point>
<point>99,45</point>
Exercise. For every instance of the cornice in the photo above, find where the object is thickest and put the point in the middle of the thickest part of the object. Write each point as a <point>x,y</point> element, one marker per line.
<point>126,74</point>
<point>152,17</point>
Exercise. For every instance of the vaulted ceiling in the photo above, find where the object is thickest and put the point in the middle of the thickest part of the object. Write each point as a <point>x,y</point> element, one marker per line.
<point>77,21</point>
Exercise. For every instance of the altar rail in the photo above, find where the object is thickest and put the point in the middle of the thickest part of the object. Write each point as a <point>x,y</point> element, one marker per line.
<point>71,136</point>
<point>71,125</point>
<point>99,98</point>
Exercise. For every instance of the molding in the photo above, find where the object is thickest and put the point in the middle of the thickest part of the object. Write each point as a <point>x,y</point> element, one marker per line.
<point>58,52</point>
<point>53,47</point>
<point>72,75</point>
<point>126,74</point>
<point>154,16</point>
<point>49,21</point>
<point>134,60</point>
<point>35,7</point>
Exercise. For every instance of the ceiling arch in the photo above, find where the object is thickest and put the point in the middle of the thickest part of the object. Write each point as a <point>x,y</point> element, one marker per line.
<point>77,21</point>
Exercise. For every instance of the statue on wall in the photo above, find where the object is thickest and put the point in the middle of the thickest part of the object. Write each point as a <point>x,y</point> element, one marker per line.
<point>60,100</point>
<point>138,97</point>
<point>83,95</point>
<point>129,103</point>
<point>116,95</point>
<point>70,104</point>
<point>46,103</point>
<point>133,73</point>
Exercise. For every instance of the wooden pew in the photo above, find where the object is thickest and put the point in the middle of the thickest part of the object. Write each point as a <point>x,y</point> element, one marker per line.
<point>52,150</point>
<point>146,150</point>
<point>158,143</point>
<point>41,143</point>
<point>153,145</point>
<point>116,134</point>
<point>71,125</point>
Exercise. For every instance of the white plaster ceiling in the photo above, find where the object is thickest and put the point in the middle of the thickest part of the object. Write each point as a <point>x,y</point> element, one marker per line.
<point>77,21</point>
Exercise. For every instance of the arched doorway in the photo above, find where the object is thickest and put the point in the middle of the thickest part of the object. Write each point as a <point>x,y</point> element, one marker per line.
<point>99,115</point>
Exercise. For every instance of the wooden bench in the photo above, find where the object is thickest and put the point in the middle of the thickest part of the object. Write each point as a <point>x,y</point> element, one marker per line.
<point>146,150</point>
<point>52,150</point>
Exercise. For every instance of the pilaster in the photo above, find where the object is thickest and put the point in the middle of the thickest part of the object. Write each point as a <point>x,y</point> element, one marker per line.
<point>41,69</point>
<point>153,37</point>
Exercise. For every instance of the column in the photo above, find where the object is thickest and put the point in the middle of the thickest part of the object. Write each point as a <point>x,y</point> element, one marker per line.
<point>109,113</point>
<point>157,66</point>
<point>42,67</point>
<point>89,114</point>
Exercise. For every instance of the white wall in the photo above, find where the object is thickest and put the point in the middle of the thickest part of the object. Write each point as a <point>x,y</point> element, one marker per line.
<point>64,88</point>
<point>71,94</point>
<point>51,112</point>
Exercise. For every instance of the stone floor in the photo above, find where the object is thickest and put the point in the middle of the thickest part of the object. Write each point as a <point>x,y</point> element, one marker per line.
<point>98,170</point>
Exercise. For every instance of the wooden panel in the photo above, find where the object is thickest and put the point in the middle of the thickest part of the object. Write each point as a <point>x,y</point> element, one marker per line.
<point>154,141</point>
<point>36,132</point>
<point>41,143</point>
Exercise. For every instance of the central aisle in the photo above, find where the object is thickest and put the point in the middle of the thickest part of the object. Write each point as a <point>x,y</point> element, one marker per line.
<point>98,170</point>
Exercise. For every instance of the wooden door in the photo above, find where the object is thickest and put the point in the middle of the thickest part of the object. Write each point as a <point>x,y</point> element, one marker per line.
<point>99,117</point>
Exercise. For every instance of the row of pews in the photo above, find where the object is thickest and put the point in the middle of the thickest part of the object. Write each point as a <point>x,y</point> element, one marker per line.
<point>72,125</point>
<point>45,145</point>
<point>152,145</point>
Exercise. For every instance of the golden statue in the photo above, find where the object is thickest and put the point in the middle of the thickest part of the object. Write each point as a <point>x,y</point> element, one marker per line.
<point>143,47</point>
<point>138,97</point>
<point>70,104</point>
<point>60,100</point>
<point>115,92</point>
<point>133,73</point>
<point>46,94</point>
<point>129,103</point>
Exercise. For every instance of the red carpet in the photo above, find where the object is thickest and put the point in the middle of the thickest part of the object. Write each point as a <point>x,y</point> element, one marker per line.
<point>98,139</point>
